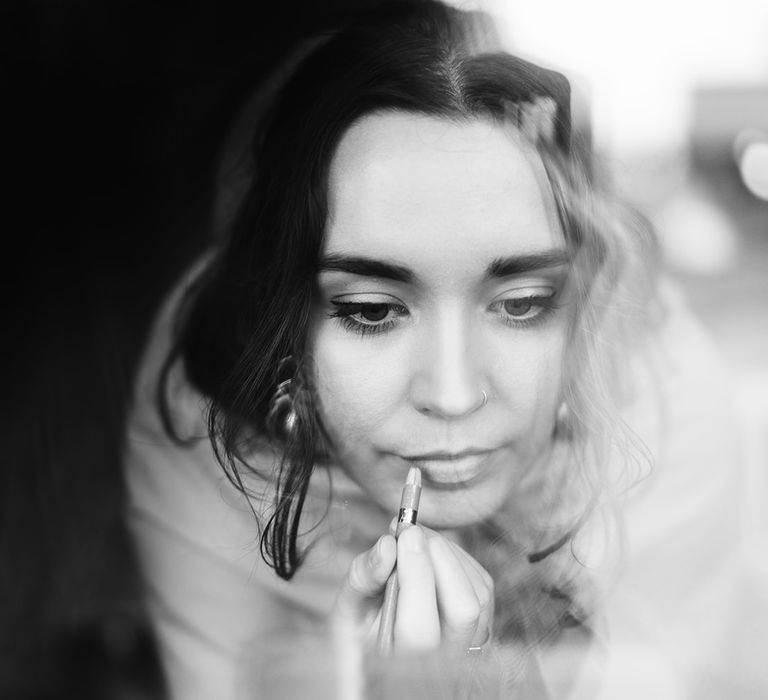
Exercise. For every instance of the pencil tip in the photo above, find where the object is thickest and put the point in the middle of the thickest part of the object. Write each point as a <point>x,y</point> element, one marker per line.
<point>414,476</point>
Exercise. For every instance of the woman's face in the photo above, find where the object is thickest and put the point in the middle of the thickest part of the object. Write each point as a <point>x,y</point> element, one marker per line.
<point>440,285</point>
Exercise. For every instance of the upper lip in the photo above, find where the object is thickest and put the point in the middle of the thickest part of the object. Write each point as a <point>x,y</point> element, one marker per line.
<point>446,455</point>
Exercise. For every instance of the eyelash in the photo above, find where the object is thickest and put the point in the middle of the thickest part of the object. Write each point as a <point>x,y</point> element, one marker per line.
<point>346,311</point>
<point>546,305</point>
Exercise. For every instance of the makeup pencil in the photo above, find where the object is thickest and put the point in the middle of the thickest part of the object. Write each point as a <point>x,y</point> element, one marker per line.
<point>409,509</point>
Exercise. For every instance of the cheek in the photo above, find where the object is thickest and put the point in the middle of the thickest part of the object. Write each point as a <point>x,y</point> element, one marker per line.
<point>356,390</point>
<point>529,378</point>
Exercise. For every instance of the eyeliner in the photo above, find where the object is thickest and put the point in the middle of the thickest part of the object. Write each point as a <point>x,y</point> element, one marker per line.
<point>409,509</point>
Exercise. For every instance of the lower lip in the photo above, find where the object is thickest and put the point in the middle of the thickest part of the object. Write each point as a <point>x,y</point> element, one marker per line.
<point>450,473</point>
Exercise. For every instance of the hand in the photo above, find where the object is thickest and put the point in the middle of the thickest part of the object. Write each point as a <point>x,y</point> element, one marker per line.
<point>445,596</point>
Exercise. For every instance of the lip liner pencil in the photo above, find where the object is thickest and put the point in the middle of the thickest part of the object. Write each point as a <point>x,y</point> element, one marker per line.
<point>409,509</point>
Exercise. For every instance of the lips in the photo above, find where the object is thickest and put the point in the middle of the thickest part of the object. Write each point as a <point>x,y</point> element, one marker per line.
<point>447,469</point>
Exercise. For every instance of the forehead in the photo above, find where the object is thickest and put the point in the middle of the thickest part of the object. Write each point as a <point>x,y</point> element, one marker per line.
<point>405,186</point>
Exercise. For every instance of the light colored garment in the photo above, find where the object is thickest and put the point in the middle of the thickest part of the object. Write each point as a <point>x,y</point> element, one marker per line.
<point>676,592</point>
<point>212,598</point>
<point>221,613</point>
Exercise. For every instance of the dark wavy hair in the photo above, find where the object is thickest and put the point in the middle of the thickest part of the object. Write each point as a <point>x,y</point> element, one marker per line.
<point>250,308</point>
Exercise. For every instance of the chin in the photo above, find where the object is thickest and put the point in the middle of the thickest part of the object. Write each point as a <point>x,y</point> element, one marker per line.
<point>441,511</point>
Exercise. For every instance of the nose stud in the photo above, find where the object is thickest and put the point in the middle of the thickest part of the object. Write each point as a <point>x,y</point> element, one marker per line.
<point>485,398</point>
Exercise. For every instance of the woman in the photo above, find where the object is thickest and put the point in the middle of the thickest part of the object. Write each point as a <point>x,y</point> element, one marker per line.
<point>420,272</point>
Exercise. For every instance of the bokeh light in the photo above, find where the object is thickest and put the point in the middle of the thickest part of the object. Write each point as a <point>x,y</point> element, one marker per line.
<point>753,166</point>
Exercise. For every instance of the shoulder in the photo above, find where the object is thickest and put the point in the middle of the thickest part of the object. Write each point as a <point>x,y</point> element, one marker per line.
<point>209,591</point>
<point>184,402</point>
<point>682,522</point>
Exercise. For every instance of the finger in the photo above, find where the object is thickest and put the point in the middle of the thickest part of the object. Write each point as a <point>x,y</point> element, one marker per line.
<point>463,597</point>
<point>482,584</point>
<point>367,576</point>
<point>484,589</point>
<point>417,625</point>
<point>467,559</point>
<point>429,533</point>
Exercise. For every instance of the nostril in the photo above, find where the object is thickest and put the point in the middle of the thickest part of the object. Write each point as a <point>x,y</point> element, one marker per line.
<point>451,406</point>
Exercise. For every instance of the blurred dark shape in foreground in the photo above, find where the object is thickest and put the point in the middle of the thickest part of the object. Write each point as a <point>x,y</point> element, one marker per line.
<point>113,117</point>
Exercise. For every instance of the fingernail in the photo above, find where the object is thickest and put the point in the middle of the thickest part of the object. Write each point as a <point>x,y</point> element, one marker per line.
<point>374,558</point>
<point>414,539</point>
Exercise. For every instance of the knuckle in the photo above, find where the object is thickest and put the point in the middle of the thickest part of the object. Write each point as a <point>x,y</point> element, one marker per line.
<point>464,614</point>
<point>488,586</point>
<point>356,579</point>
<point>485,597</point>
<point>488,580</point>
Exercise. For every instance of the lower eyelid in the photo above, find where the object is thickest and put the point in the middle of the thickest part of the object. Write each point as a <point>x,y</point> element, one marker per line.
<point>541,306</point>
<point>363,329</point>
<point>345,313</point>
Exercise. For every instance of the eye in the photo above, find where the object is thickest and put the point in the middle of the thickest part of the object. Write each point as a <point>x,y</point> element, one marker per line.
<point>367,318</point>
<point>527,308</point>
<point>518,307</point>
<point>374,313</point>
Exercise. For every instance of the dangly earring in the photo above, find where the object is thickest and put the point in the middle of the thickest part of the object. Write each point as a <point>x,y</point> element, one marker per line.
<point>563,421</point>
<point>282,418</point>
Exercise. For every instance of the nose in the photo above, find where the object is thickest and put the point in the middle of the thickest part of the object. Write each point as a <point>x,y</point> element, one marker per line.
<point>447,381</point>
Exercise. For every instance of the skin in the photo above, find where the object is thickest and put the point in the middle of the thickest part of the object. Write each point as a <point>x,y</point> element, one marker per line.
<point>456,365</point>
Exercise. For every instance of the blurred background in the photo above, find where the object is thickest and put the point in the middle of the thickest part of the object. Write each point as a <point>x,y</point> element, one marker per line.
<point>676,93</point>
<point>113,112</point>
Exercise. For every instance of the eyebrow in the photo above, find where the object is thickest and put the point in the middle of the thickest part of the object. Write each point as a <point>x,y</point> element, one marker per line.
<point>518,264</point>
<point>365,267</point>
<point>500,267</point>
